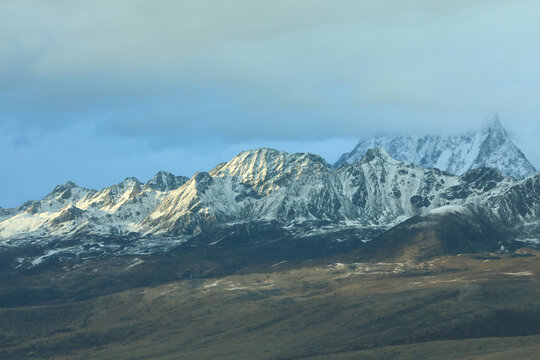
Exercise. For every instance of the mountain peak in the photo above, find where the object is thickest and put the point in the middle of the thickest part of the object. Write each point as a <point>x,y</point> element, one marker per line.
<point>490,147</point>
<point>261,151</point>
<point>263,168</point>
<point>130,180</point>
<point>376,153</point>
<point>165,181</point>
<point>163,173</point>
<point>266,162</point>
<point>126,183</point>
<point>67,185</point>
<point>63,190</point>
<point>494,124</point>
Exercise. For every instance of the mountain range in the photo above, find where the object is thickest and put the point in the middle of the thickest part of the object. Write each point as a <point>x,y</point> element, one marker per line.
<point>301,194</point>
<point>376,255</point>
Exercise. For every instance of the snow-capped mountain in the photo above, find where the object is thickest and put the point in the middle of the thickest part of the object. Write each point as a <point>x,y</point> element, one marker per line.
<point>490,147</point>
<point>266,185</point>
<point>257,185</point>
<point>165,181</point>
<point>292,191</point>
<point>70,209</point>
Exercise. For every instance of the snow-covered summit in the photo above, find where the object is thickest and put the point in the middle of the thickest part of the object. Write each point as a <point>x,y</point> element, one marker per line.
<point>165,181</point>
<point>265,169</point>
<point>489,147</point>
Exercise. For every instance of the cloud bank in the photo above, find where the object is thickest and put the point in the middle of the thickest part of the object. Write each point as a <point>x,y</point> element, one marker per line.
<point>187,76</point>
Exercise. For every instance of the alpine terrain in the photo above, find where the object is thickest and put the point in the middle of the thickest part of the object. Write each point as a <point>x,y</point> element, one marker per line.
<point>490,147</point>
<point>419,247</point>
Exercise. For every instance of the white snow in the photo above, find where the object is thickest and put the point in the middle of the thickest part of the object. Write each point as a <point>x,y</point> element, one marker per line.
<point>456,154</point>
<point>521,273</point>
<point>447,209</point>
<point>135,262</point>
<point>279,263</point>
<point>24,223</point>
<point>535,241</point>
<point>49,253</point>
<point>214,284</point>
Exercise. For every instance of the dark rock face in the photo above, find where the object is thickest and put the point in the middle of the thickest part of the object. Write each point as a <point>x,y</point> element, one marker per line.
<point>483,178</point>
<point>165,181</point>
<point>66,215</point>
<point>33,208</point>
<point>419,201</point>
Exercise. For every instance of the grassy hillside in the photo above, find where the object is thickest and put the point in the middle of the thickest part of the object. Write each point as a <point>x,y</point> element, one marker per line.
<point>449,308</point>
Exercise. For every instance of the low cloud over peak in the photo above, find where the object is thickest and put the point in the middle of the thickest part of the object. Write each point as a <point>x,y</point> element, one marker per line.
<point>165,76</point>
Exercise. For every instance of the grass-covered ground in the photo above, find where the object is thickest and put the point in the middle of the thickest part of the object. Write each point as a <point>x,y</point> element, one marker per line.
<point>457,307</point>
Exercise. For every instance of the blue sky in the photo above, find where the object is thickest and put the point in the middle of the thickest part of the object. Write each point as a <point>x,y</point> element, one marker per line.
<point>95,91</point>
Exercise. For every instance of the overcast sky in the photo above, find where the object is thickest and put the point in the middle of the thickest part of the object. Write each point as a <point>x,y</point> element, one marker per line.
<point>95,91</point>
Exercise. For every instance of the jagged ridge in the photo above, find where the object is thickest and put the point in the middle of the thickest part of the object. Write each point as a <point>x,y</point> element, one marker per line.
<point>490,147</point>
<point>265,185</point>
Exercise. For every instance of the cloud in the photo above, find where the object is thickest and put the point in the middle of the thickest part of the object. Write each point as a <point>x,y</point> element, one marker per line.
<point>173,79</point>
<point>242,69</point>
